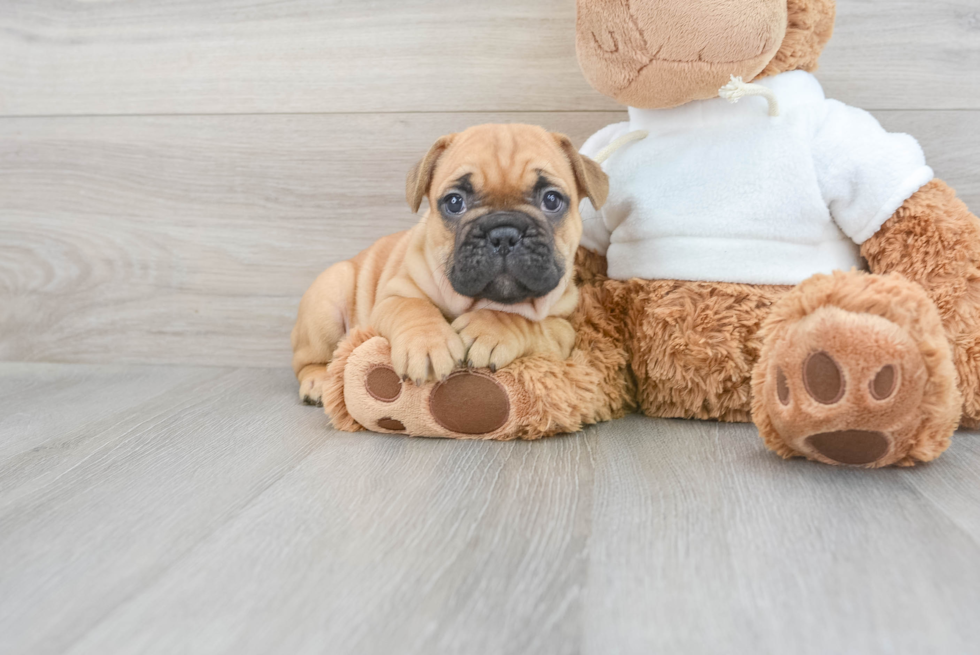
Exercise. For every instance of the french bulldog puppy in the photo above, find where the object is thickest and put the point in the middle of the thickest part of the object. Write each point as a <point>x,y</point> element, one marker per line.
<point>485,277</point>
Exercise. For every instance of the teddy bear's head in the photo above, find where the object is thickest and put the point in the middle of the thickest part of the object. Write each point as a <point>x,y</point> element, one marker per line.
<point>655,54</point>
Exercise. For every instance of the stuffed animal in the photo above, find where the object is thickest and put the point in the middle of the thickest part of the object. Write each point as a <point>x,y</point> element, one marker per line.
<point>765,254</point>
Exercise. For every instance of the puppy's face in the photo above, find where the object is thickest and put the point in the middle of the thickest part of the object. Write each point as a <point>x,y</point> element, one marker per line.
<point>503,216</point>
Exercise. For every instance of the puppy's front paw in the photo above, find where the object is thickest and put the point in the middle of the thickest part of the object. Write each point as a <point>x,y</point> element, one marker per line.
<point>560,337</point>
<point>489,341</point>
<point>311,383</point>
<point>424,354</point>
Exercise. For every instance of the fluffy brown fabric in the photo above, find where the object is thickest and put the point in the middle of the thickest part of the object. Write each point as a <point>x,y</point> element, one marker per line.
<point>810,26</point>
<point>601,334</point>
<point>934,240</point>
<point>920,425</point>
<point>333,388</point>
<point>694,345</point>
<point>593,385</point>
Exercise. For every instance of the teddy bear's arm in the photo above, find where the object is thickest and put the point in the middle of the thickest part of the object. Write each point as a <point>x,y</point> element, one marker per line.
<point>934,240</point>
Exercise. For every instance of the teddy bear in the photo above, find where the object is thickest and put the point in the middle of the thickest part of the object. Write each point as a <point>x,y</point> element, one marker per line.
<point>766,254</point>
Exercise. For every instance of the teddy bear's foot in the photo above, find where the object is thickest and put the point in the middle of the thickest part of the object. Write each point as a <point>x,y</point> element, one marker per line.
<point>846,388</point>
<point>856,371</point>
<point>469,404</point>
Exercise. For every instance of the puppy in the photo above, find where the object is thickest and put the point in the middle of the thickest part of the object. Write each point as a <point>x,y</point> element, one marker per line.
<point>485,277</point>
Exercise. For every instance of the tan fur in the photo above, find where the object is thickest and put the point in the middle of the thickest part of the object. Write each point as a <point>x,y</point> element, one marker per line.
<point>398,287</point>
<point>694,345</point>
<point>495,339</point>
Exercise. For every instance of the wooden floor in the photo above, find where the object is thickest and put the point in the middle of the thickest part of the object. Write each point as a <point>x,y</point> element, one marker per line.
<point>174,174</point>
<point>202,510</point>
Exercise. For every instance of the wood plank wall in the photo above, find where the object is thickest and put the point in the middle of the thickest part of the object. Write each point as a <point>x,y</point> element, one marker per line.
<point>173,174</point>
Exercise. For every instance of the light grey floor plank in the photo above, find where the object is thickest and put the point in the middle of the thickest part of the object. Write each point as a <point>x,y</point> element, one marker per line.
<point>381,545</point>
<point>703,542</point>
<point>133,493</point>
<point>53,417</point>
<point>954,487</point>
<point>233,56</point>
<point>235,521</point>
<point>189,240</point>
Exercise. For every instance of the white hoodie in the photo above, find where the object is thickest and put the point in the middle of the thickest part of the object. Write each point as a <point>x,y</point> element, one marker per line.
<point>726,193</point>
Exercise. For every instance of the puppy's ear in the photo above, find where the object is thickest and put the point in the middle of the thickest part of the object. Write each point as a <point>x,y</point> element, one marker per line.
<point>591,179</point>
<point>420,177</point>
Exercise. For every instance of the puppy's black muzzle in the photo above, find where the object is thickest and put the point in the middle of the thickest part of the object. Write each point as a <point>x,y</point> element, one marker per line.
<point>505,257</point>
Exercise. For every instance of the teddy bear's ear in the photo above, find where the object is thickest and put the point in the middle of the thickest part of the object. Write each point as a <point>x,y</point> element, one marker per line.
<point>810,25</point>
<point>591,179</point>
<point>420,177</point>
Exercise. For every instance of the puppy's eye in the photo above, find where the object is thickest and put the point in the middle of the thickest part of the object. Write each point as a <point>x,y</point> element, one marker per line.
<point>454,203</point>
<point>552,202</point>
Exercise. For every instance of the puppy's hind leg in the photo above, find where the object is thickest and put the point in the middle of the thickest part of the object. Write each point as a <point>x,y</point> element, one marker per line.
<point>322,321</point>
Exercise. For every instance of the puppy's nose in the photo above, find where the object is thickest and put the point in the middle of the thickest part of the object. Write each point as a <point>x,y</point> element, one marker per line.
<point>504,238</point>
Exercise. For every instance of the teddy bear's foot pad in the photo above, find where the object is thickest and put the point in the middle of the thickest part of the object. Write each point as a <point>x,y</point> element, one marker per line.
<point>468,404</point>
<point>383,384</point>
<point>853,447</point>
<point>847,388</point>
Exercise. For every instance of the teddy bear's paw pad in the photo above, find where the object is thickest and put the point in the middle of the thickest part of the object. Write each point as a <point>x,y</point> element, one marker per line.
<point>383,384</point>
<point>374,395</point>
<point>846,388</point>
<point>470,402</point>
<point>388,423</point>
<point>851,447</point>
<point>823,378</point>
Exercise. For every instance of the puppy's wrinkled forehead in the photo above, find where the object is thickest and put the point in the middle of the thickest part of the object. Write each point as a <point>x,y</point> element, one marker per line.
<point>503,162</point>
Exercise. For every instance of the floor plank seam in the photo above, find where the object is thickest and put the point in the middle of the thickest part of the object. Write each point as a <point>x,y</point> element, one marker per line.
<point>910,484</point>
